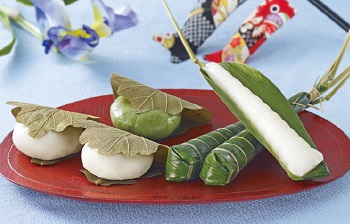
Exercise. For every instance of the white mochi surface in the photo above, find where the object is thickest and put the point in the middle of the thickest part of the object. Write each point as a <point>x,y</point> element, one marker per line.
<point>52,145</point>
<point>289,148</point>
<point>115,167</point>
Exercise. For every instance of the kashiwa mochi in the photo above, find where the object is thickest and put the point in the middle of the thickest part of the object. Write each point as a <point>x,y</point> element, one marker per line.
<point>45,133</point>
<point>52,145</point>
<point>153,124</point>
<point>152,113</point>
<point>114,154</point>
<point>115,167</point>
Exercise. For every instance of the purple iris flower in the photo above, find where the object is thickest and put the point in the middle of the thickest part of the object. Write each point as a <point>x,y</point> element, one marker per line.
<point>75,44</point>
<point>78,43</point>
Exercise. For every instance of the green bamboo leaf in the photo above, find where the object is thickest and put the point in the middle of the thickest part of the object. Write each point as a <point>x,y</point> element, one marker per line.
<point>220,165</point>
<point>223,164</point>
<point>215,170</point>
<point>6,21</point>
<point>300,101</point>
<point>40,120</point>
<point>261,86</point>
<point>184,161</point>
<point>29,2</point>
<point>110,141</point>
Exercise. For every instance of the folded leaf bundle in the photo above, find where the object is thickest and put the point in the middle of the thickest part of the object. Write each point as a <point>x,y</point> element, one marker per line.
<point>185,160</point>
<point>47,134</point>
<point>266,113</point>
<point>151,113</point>
<point>41,119</point>
<point>113,154</point>
<point>223,163</point>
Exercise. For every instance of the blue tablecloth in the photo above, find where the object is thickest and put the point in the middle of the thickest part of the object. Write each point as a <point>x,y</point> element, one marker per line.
<point>293,58</point>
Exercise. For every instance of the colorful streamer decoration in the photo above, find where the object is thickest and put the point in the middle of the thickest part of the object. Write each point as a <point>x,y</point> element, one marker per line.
<point>270,16</point>
<point>206,16</point>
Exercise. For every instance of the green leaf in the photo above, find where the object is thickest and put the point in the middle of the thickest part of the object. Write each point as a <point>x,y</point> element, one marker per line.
<point>68,2</point>
<point>152,172</point>
<point>104,182</point>
<point>6,21</point>
<point>261,86</point>
<point>40,120</point>
<point>29,2</point>
<point>185,160</point>
<point>26,2</point>
<point>300,101</point>
<point>223,164</point>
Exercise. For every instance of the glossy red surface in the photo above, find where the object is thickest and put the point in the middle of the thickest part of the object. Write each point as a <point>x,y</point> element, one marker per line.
<point>262,178</point>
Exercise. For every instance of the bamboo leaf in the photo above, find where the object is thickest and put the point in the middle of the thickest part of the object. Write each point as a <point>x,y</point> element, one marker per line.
<point>6,21</point>
<point>110,141</point>
<point>223,163</point>
<point>185,160</point>
<point>300,101</point>
<point>40,120</point>
<point>259,85</point>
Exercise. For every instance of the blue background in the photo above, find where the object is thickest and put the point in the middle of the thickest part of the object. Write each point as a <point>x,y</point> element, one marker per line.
<point>293,58</point>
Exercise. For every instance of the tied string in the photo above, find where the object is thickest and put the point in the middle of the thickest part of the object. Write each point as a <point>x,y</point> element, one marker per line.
<point>315,95</point>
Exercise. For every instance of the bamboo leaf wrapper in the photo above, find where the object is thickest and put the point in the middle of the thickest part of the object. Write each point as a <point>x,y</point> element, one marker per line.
<point>253,80</point>
<point>223,164</point>
<point>184,161</point>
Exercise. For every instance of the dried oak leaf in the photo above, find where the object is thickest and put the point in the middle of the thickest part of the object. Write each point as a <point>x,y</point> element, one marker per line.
<point>41,120</point>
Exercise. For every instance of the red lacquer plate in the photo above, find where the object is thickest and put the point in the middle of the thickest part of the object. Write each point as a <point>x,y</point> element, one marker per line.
<point>262,178</point>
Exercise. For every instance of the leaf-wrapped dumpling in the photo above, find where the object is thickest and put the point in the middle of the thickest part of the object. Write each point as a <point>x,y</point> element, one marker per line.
<point>113,154</point>
<point>151,113</point>
<point>47,134</point>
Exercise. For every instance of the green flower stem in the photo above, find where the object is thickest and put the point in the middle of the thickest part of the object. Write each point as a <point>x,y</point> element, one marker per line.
<point>35,31</point>
<point>6,21</point>
<point>15,15</point>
